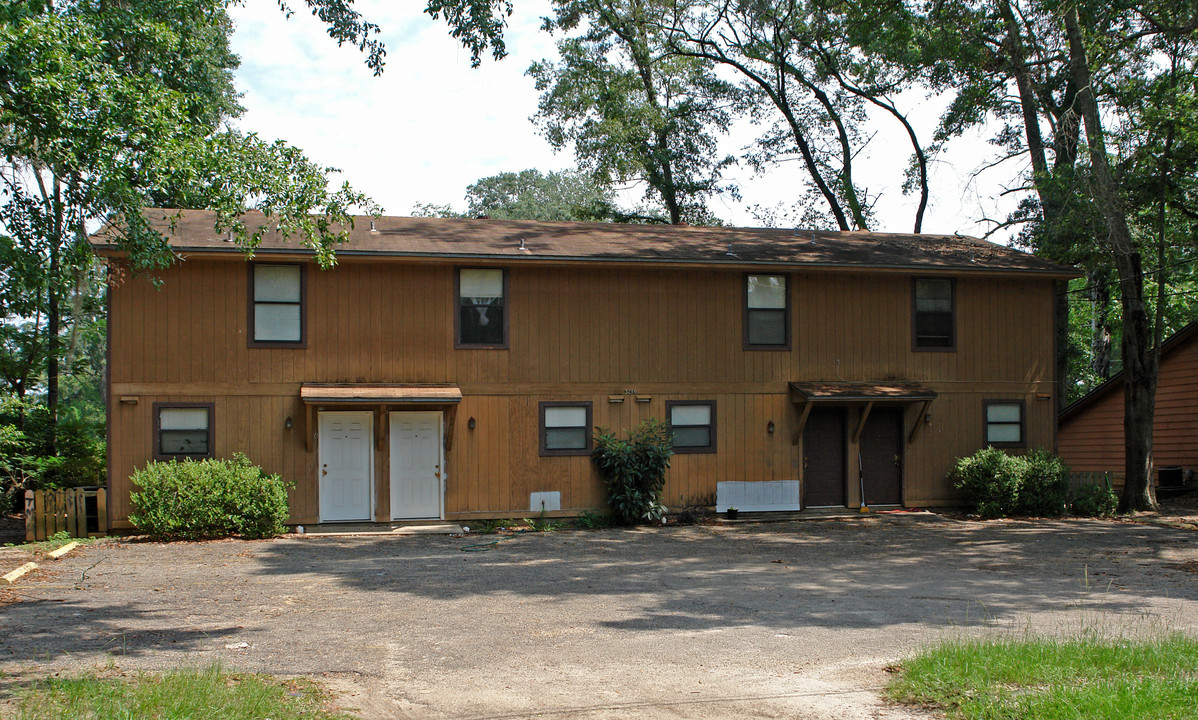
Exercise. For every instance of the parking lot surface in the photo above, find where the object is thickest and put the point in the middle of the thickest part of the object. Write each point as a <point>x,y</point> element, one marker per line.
<point>795,619</point>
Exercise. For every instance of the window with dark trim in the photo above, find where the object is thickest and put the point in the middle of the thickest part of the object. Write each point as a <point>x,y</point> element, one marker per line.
<point>1005,423</point>
<point>183,430</point>
<point>934,314</point>
<point>767,313</point>
<point>692,424</point>
<point>276,305</point>
<point>481,313</point>
<point>566,428</point>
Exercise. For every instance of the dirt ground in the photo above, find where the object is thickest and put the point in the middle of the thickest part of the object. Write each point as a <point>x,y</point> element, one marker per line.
<point>795,619</point>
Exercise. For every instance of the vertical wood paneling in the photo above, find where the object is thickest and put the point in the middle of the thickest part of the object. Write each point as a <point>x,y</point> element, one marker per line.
<point>574,333</point>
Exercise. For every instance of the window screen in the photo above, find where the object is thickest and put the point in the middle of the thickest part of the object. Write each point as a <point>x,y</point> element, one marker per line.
<point>565,428</point>
<point>692,425</point>
<point>935,320</point>
<point>481,307</point>
<point>278,304</point>
<point>184,431</point>
<point>1004,423</point>
<point>766,324</point>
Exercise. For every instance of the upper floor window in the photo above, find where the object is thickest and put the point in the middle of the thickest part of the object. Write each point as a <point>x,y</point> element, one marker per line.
<point>767,321</point>
<point>1004,423</point>
<point>565,428</point>
<point>276,305</point>
<point>935,321</point>
<point>183,430</point>
<point>692,424</point>
<point>482,316</point>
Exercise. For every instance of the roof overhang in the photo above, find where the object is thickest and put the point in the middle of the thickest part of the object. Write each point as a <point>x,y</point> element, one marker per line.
<point>376,394</point>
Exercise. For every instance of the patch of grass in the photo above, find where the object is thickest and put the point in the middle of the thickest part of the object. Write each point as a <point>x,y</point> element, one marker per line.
<point>592,520</point>
<point>1054,679</point>
<point>487,527</point>
<point>51,543</point>
<point>540,524</point>
<point>210,692</point>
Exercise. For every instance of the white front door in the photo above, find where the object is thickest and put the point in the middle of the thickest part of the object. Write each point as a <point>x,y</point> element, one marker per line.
<point>416,462</point>
<point>345,466</point>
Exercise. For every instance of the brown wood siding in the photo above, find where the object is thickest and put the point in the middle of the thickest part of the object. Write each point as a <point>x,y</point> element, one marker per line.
<point>1092,439</point>
<point>576,333</point>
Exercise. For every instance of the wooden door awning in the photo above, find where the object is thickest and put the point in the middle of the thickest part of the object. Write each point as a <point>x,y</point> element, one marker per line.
<point>859,392</point>
<point>381,398</point>
<point>376,394</point>
<point>807,394</point>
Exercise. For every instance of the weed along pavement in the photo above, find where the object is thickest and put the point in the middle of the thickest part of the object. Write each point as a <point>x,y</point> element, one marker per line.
<point>794,619</point>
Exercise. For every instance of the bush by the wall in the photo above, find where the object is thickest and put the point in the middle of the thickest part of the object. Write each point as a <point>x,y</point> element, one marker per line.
<point>634,470</point>
<point>990,479</point>
<point>997,484</point>
<point>1095,501</point>
<point>200,500</point>
<point>1043,485</point>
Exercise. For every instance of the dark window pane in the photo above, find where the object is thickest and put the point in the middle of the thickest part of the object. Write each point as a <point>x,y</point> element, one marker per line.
<point>934,329</point>
<point>692,436</point>
<point>183,442</point>
<point>767,327</point>
<point>482,324</point>
<point>565,438</point>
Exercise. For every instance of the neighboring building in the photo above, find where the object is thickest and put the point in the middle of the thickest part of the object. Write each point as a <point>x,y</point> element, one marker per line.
<point>455,368</point>
<point>1091,429</point>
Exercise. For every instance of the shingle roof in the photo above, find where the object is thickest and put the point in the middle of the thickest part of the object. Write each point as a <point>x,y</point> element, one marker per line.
<point>608,242</point>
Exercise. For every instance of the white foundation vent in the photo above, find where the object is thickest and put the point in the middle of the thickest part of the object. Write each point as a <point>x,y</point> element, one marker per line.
<point>762,496</point>
<point>552,500</point>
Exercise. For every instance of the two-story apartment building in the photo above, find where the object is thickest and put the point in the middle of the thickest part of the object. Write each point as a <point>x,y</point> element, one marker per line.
<point>456,368</point>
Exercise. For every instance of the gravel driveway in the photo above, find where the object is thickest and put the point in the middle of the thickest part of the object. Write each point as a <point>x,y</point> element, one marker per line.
<point>792,620</point>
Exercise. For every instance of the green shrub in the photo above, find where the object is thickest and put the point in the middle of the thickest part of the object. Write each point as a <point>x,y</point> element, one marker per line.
<point>634,470</point>
<point>26,460</point>
<point>997,484</point>
<point>192,500</point>
<point>990,479</point>
<point>1095,501</point>
<point>592,520</point>
<point>1043,485</point>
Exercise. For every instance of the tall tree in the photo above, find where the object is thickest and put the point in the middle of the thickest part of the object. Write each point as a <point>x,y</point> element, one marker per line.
<point>631,110</point>
<point>532,195</point>
<point>1067,65</point>
<point>106,107</point>
<point>812,62</point>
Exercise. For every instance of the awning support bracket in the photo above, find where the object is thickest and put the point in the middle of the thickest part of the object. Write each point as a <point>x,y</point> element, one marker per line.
<point>309,428</point>
<point>919,421</point>
<point>861,423</point>
<point>802,422</point>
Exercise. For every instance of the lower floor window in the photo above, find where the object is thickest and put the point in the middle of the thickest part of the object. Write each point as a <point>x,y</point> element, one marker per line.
<point>1004,423</point>
<point>692,423</point>
<point>183,430</point>
<point>565,428</point>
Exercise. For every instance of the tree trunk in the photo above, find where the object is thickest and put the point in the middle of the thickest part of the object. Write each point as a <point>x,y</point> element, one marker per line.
<point>1100,323</point>
<point>53,323</point>
<point>1139,376</point>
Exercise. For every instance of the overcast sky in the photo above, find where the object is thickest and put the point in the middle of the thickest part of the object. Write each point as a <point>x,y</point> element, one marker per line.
<point>431,124</point>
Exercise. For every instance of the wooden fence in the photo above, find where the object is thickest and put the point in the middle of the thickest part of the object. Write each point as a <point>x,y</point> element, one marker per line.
<point>1113,480</point>
<point>48,512</point>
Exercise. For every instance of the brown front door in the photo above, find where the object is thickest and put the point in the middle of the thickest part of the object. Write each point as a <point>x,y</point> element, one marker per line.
<point>882,457</point>
<point>823,458</point>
